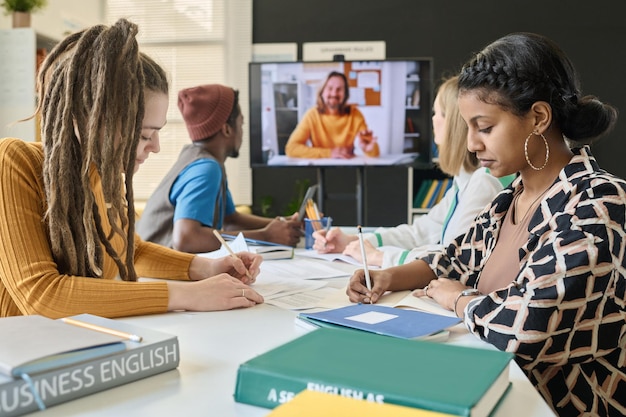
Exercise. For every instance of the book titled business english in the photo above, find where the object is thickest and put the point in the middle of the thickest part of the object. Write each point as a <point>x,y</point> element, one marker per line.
<point>65,378</point>
<point>456,380</point>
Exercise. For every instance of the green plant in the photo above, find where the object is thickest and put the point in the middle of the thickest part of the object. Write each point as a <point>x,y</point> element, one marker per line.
<point>294,204</point>
<point>29,6</point>
<point>266,206</point>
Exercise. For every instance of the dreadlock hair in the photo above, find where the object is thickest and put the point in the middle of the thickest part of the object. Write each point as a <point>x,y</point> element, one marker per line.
<point>91,102</point>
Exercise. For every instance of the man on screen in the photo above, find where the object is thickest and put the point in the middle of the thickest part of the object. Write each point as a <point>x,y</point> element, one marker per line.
<point>193,198</point>
<point>331,129</point>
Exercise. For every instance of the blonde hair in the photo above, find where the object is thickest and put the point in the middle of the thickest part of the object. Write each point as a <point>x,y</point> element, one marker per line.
<point>91,90</point>
<point>453,152</point>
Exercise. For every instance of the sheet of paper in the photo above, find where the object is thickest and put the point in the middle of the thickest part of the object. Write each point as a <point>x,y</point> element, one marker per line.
<point>330,257</point>
<point>237,245</point>
<point>372,317</point>
<point>303,300</point>
<point>423,303</point>
<point>335,299</point>
<point>271,287</point>
<point>301,268</point>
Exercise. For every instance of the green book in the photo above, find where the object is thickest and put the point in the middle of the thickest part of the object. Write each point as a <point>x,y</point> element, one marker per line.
<point>421,193</point>
<point>445,378</point>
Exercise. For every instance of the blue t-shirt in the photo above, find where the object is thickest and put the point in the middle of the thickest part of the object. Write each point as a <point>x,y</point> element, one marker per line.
<point>196,190</point>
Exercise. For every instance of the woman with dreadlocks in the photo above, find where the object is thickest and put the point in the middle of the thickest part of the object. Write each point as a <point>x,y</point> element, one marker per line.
<point>67,234</point>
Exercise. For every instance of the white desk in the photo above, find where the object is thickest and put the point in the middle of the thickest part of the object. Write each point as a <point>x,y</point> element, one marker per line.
<point>212,345</point>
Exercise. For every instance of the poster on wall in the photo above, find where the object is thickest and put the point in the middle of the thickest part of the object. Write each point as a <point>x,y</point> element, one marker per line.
<point>329,51</point>
<point>274,52</point>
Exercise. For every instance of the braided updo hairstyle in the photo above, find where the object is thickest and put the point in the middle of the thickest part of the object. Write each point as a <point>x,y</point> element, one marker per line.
<point>520,69</point>
<point>91,102</point>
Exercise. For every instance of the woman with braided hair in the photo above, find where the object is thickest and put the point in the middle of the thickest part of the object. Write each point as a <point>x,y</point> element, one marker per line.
<point>67,234</point>
<point>541,271</point>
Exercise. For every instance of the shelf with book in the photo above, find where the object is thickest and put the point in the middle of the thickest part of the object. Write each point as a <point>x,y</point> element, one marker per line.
<point>426,187</point>
<point>417,116</point>
<point>286,105</point>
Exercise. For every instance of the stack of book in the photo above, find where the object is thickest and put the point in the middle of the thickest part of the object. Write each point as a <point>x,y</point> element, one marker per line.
<point>430,192</point>
<point>44,362</point>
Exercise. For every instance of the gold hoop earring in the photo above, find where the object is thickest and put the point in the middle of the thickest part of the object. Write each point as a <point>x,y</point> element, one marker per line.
<point>534,132</point>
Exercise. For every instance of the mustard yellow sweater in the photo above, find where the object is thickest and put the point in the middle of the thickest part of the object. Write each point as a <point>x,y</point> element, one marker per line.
<point>29,280</point>
<point>326,131</point>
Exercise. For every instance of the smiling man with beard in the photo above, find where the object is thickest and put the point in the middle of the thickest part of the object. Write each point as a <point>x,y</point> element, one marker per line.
<point>332,127</point>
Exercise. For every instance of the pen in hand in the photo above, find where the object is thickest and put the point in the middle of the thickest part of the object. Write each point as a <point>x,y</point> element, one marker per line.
<point>368,281</point>
<point>329,222</point>
<point>223,242</point>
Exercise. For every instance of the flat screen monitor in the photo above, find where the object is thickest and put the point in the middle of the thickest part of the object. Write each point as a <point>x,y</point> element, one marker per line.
<point>394,96</point>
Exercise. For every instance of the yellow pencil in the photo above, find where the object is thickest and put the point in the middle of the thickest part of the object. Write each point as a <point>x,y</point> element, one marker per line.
<point>102,329</point>
<point>223,242</point>
<point>313,215</point>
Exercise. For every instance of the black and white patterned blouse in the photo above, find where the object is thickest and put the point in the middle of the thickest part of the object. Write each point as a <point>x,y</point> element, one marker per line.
<point>564,315</point>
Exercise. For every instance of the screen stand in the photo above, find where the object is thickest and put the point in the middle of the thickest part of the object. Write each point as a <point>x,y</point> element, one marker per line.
<point>359,192</point>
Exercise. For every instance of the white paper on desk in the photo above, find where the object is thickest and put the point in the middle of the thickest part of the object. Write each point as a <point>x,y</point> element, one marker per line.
<point>272,287</point>
<point>237,245</point>
<point>424,304</point>
<point>402,299</point>
<point>340,299</point>
<point>300,268</point>
<point>311,253</point>
<point>302,300</point>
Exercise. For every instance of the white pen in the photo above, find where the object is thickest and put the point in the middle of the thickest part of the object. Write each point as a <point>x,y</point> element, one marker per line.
<point>329,222</point>
<point>368,281</point>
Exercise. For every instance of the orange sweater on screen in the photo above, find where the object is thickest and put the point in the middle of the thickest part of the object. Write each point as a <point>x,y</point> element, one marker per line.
<point>326,131</point>
<point>30,282</point>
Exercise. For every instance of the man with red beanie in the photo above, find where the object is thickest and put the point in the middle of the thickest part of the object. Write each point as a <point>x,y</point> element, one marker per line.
<point>193,197</point>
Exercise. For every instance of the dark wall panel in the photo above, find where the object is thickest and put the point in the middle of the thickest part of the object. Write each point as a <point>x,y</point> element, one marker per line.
<point>592,33</point>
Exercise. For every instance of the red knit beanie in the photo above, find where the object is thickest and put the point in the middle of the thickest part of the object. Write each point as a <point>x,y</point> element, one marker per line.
<point>205,109</point>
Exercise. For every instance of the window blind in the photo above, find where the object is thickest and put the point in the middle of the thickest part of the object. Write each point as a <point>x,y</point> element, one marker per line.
<point>196,42</point>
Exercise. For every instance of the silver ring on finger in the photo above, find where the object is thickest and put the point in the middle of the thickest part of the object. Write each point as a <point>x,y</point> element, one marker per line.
<point>426,291</point>
<point>243,292</point>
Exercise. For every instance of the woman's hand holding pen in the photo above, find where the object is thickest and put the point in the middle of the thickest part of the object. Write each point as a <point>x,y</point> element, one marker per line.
<point>333,241</point>
<point>357,289</point>
<point>240,266</point>
<point>374,256</point>
<point>416,274</point>
<point>221,292</point>
<point>218,284</point>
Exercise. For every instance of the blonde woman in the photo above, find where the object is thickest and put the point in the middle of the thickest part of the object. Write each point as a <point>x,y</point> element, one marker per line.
<point>473,188</point>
